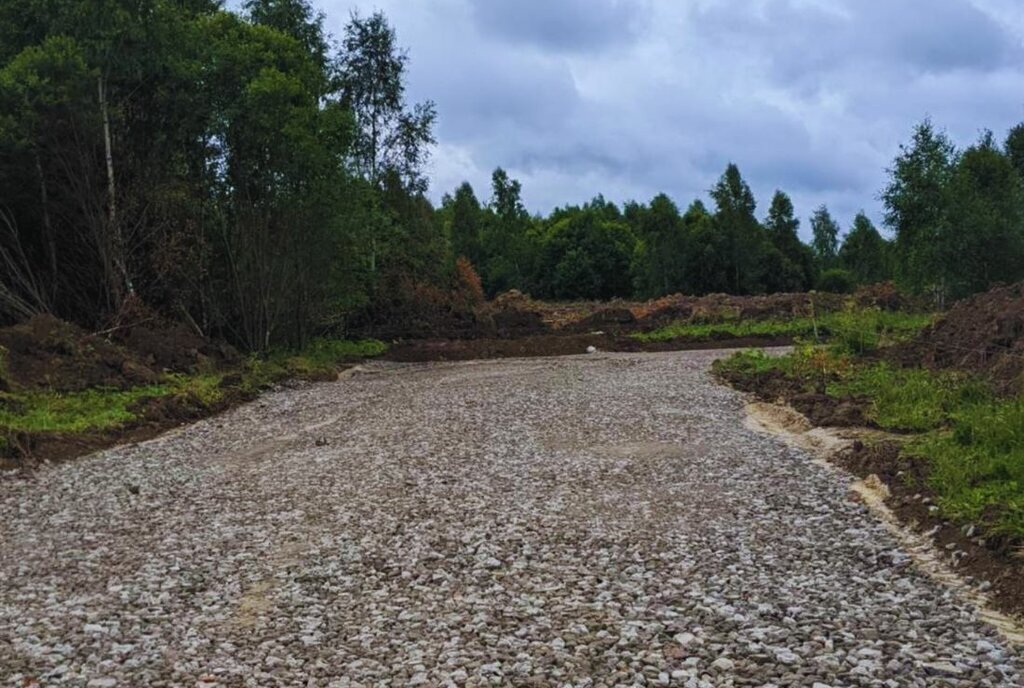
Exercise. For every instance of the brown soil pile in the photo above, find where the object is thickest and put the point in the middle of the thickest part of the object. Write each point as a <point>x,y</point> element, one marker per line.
<point>45,352</point>
<point>513,314</point>
<point>425,350</point>
<point>167,345</point>
<point>886,296</point>
<point>715,307</point>
<point>982,334</point>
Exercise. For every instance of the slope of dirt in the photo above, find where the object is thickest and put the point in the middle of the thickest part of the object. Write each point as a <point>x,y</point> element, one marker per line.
<point>47,353</point>
<point>821,409</point>
<point>167,345</point>
<point>983,334</point>
<point>991,561</point>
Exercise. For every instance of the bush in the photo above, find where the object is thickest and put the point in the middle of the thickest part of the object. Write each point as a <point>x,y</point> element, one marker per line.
<point>469,290</point>
<point>837,281</point>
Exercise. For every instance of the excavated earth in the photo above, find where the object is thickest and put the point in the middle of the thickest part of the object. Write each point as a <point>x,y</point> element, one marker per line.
<point>582,521</point>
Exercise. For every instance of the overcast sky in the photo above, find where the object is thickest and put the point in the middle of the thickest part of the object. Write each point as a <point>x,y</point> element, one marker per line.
<point>630,98</point>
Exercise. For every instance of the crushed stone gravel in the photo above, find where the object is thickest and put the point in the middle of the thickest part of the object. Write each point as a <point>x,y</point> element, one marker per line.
<point>600,520</point>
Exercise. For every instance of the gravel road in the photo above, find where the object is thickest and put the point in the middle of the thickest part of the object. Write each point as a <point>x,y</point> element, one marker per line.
<point>585,521</point>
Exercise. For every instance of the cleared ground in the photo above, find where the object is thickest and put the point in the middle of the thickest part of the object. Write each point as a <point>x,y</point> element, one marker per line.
<point>584,521</point>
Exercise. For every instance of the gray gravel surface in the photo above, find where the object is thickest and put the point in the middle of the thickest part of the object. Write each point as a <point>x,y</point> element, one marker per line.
<point>587,521</point>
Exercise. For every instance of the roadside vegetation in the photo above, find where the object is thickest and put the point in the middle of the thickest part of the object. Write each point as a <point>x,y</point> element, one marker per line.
<point>33,414</point>
<point>968,437</point>
<point>862,329</point>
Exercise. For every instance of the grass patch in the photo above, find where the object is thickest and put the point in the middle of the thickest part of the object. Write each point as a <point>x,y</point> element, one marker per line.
<point>909,399</point>
<point>857,330</point>
<point>92,409</point>
<point>106,409</point>
<point>320,360</point>
<point>323,356</point>
<point>977,465</point>
<point>729,330</point>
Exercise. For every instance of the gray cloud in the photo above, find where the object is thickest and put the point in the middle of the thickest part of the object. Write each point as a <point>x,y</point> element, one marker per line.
<point>628,99</point>
<point>565,25</point>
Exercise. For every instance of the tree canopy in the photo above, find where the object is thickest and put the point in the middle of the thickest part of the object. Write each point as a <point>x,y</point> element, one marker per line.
<point>265,181</point>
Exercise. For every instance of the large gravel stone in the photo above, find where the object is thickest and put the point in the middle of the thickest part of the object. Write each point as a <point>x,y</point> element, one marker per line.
<point>587,521</point>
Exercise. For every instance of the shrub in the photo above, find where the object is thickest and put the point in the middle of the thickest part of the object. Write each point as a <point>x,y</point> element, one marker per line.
<point>469,290</point>
<point>836,281</point>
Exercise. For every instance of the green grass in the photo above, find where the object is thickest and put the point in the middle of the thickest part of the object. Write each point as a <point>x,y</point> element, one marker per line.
<point>92,409</point>
<point>319,360</point>
<point>325,355</point>
<point>30,411</point>
<point>729,329</point>
<point>972,440</point>
<point>977,465</point>
<point>909,399</point>
<point>856,330</point>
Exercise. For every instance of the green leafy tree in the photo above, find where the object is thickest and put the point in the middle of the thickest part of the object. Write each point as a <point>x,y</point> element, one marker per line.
<point>465,224</point>
<point>792,266</point>
<point>864,252</point>
<point>509,248</point>
<point>915,208</point>
<point>981,238</point>
<point>298,19</point>
<point>662,248</point>
<point>741,233</point>
<point>825,241</point>
<point>587,254</point>
<point>708,266</point>
<point>391,136</point>
<point>1014,148</point>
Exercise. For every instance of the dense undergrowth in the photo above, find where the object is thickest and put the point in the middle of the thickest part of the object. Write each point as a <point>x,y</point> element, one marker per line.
<point>35,412</point>
<point>970,438</point>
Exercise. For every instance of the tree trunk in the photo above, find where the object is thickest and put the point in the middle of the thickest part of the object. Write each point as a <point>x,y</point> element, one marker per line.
<point>51,239</point>
<point>120,283</point>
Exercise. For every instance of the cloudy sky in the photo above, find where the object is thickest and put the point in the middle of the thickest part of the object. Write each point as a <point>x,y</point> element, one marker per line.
<point>629,98</point>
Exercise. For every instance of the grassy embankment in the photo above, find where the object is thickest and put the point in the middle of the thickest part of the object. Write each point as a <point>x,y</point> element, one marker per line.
<point>970,439</point>
<point>825,326</point>
<point>97,410</point>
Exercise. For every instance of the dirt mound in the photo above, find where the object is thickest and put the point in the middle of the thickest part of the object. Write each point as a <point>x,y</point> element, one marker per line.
<point>165,345</point>
<point>615,319</point>
<point>982,334</point>
<point>886,296</point>
<point>48,353</point>
<point>718,307</point>
<point>559,344</point>
<point>514,314</point>
<point>45,352</point>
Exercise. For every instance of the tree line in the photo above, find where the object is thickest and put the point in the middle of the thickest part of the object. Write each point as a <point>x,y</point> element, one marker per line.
<point>244,172</point>
<point>251,175</point>
<point>956,220</point>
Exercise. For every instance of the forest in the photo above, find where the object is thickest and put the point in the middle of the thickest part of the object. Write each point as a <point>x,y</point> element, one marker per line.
<point>265,182</point>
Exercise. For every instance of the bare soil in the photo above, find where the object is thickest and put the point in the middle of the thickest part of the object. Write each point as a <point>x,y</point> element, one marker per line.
<point>982,334</point>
